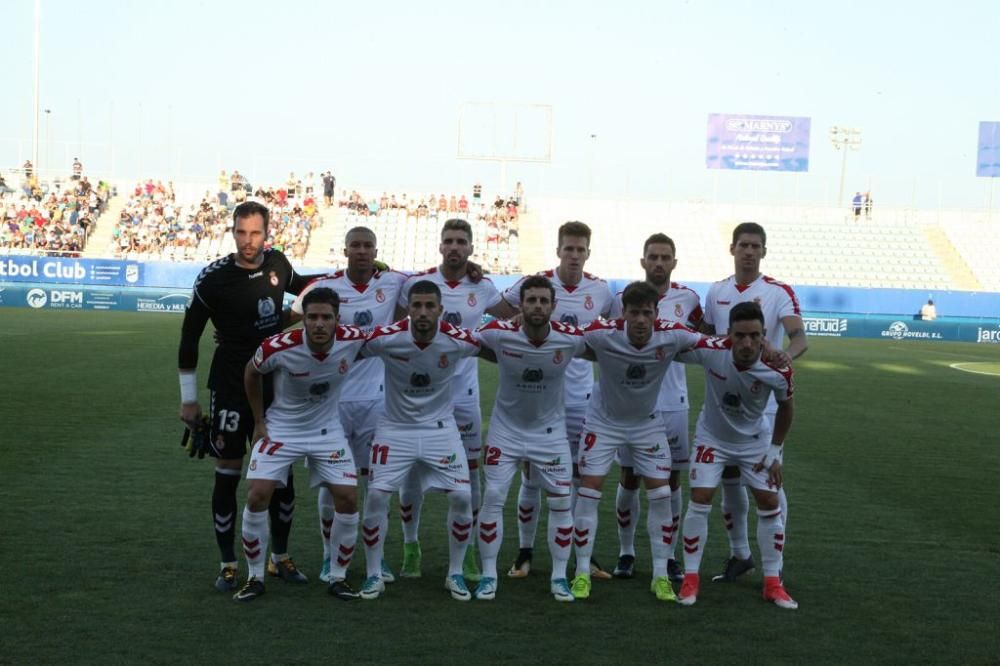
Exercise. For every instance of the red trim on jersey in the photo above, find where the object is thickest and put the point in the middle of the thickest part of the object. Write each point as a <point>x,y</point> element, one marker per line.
<point>788,290</point>
<point>667,325</point>
<point>462,334</point>
<point>453,284</point>
<point>568,329</point>
<point>500,325</point>
<point>391,329</point>
<point>741,287</point>
<point>281,342</point>
<point>715,343</point>
<point>605,325</point>
<point>569,288</point>
<point>345,332</point>
<point>785,372</point>
<point>360,288</point>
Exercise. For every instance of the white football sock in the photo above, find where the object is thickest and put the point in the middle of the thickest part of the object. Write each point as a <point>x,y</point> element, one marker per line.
<point>695,535</point>
<point>735,509</point>
<point>325,504</point>
<point>560,534</point>
<point>585,527</point>
<point>627,510</point>
<point>343,538</point>
<point>411,501</point>
<point>373,530</point>
<point>255,536</point>
<point>771,540</point>
<point>659,526</point>
<point>528,499</point>
<point>459,529</point>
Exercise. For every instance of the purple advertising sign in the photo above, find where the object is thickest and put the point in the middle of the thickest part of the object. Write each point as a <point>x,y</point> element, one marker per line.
<point>759,143</point>
<point>988,155</point>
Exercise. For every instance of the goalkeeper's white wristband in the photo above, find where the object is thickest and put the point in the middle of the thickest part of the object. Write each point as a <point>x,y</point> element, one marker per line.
<point>189,386</point>
<point>774,452</point>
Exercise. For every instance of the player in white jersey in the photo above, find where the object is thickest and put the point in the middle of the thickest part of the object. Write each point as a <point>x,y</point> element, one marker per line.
<point>464,301</point>
<point>580,299</point>
<point>782,316</point>
<point>309,366</point>
<point>421,355</point>
<point>528,427</point>
<point>682,305</point>
<point>633,355</point>
<point>367,299</point>
<point>733,430</point>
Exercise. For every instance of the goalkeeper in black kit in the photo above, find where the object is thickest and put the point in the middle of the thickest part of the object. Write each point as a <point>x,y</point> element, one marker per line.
<point>242,294</point>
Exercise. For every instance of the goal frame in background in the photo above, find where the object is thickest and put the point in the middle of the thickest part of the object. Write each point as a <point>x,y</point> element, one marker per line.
<point>504,122</point>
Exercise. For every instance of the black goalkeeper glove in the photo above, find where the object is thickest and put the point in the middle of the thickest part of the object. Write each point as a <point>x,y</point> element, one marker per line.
<point>195,442</point>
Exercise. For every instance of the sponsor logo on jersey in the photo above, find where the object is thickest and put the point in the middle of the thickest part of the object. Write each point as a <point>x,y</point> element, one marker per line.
<point>716,375</point>
<point>898,330</point>
<point>443,361</point>
<point>379,295</point>
<point>273,278</point>
<point>319,390</point>
<point>724,302</point>
<point>255,275</point>
<point>299,374</point>
<point>265,307</point>
<point>396,357</point>
<point>678,311</point>
<point>363,318</point>
<point>557,357</point>
<point>37,298</point>
<point>472,300</point>
<point>570,319</point>
<point>453,318</point>
<point>653,449</point>
<point>447,460</point>
<point>532,375</point>
<point>511,354</point>
<point>338,456</point>
<point>420,380</point>
<point>465,428</point>
<point>588,302</point>
<point>343,366</point>
<point>635,372</point>
<point>731,400</point>
<point>672,441</point>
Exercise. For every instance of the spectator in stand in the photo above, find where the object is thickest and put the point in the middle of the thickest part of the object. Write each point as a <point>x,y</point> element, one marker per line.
<point>928,312</point>
<point>77,169</point>
<point>224,190</point>
<point>856,204</point>
<point>477,192</point>
<point>463,204</point>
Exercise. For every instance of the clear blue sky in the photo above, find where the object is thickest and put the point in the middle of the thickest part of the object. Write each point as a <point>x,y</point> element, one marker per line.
<point>372,90</point>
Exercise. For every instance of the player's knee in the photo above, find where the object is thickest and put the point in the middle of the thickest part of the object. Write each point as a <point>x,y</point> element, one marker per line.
<point>376,502</point>
<point>460,501</point>
<point>559,502</point>
<point>702,495</point>
<point>628,479</point>
<point>592,482</point>
<point>766,501</point>
<point>652,484</point>
<point>345,498</point>
<point>494,498</point>
<point>259,494</point>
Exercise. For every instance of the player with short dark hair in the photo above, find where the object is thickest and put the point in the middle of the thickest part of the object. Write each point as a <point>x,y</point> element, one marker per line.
<point>680,304</point>
<point>421,356</point>
<point>733,430</point>
<point>580,299</point>
<point>241,294</point>
<point>782,316</point>
<point>309,366</point>
<point>633,354</point>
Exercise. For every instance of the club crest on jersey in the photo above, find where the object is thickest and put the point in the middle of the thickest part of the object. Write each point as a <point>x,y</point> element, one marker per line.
<point>343,366</point>
<point>265,307</point>
<point>443,361</point>
<point>363,318</point>
<point>661,353</point>
<point>453,318</point>
<point>588,302</point>
<point>569,319</point>
<point>557,357</point>
<point>472,300</point>
<point>380,295</point>
<point>678,311</point>
<point>253,465</point>
<point>273,278</point>
<point>755,387</point>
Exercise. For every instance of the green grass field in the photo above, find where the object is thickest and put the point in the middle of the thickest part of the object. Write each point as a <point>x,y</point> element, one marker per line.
<point>892,470</point>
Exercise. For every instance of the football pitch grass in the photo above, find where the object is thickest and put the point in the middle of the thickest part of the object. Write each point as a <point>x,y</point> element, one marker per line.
<point>109,555</point>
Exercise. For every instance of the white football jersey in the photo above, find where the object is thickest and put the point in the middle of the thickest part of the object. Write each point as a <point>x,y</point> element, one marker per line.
<point>630,378</point>
<point>464,303</point>
<point>531,394</point>
<point>682,305</point>
<point>735,396</point>
<point>776,299</point>
<point>577,305</point>
<point>307,385</point>
<point>418,376</point>
<point>365,306</point>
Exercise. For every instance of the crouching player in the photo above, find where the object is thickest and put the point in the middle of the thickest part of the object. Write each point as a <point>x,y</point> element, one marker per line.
<point>633,355</point>
<point>528,426</point>
<point>729,431</point>
<point>309,366</point>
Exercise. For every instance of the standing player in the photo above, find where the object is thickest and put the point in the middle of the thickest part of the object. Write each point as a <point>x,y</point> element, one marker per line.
<point>781,317</point>
<point>733,430</point>
<point>418,430</point>
<point>464,301</point>
<point>367,300</point>
<point>679,304</point>
<point>528,426</point>
<point>633,355</point>
<point>580,299</point>
<point>309,366</point>
<point>242,295</point>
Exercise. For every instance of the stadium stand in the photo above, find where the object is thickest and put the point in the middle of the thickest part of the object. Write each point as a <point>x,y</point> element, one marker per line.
<point>155,225</point>
<point>53,217</point>
<point>409,229</point>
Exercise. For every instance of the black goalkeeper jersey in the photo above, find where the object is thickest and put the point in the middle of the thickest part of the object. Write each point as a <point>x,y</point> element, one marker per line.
<point>244,306</point>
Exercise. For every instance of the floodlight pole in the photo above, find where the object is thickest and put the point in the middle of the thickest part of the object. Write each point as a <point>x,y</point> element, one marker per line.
<point>844,138</point>
<point>38,42</point>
